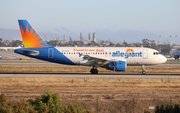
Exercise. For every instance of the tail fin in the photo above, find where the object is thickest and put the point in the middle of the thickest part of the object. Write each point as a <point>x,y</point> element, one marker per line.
<point>31,38</point>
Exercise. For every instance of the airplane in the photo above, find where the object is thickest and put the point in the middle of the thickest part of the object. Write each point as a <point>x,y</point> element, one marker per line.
<point>111,58</point>
<point>9,48</point>
<point>176,53</point>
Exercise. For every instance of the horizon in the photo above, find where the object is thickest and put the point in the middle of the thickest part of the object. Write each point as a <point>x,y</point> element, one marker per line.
<point>51,36</point>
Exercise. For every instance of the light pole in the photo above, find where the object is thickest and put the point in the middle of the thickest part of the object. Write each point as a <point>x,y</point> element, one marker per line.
<point>159,43</point>
<point>176,38</point>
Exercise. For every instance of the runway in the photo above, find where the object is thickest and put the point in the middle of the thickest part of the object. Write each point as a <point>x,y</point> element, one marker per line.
<point>49,64</point>
<point>39,63</point>
<point>88,75</point>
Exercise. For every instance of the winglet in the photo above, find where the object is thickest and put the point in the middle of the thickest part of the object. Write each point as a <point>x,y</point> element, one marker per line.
<point>31,38</point>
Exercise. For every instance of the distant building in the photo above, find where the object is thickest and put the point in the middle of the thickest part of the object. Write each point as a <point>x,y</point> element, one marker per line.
<point>94,37</point>
<point>65,37</point>
<point>70,39</point>
<point>176,47</point>
<point>46,38</point>
<point>86,42</point>
<point>89,36</point>
<point>80,37</point>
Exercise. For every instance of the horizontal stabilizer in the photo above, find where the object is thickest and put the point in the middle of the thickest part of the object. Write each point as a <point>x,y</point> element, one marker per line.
<point>31,52</point>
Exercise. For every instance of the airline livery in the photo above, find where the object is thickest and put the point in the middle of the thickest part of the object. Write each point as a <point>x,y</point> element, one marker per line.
<point>111,58</point>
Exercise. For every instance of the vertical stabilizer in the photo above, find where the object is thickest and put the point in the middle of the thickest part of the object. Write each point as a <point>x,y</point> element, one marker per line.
<point>31,38</point>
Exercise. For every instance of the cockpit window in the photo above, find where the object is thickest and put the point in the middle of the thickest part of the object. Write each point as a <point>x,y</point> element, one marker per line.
<point>155,53</point>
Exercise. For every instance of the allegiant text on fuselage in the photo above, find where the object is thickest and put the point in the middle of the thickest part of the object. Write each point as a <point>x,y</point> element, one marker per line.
<point>126,54</point>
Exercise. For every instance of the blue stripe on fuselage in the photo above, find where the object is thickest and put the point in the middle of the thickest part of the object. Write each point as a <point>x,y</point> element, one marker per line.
<point>56,56</point>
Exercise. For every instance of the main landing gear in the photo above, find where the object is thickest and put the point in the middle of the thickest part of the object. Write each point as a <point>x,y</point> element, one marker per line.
<point>143,69</point>
<point>94,71</point>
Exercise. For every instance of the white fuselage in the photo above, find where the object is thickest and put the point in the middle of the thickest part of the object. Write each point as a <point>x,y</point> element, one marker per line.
<point>132,55</point>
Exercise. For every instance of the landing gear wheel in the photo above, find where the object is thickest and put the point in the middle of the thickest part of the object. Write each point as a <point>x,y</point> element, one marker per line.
<point>144,72</point>
<point>94,71</point>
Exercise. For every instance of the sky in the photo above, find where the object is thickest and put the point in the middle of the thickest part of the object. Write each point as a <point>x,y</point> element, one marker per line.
<point>115,20</point>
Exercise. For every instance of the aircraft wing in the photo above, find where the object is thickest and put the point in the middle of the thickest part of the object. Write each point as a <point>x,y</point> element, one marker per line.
<point>4,48</point>
<point>99,60</point>
<point>9,48</point>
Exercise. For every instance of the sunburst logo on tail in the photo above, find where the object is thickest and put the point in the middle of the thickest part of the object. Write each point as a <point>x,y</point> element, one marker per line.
<point>31,38</point>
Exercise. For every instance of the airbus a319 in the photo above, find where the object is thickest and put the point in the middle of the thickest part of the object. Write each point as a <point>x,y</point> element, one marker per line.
<point>111,58</point>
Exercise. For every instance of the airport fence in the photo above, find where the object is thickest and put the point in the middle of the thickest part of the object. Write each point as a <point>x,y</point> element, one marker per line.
<point>127,104</point>
<point>131,105</point>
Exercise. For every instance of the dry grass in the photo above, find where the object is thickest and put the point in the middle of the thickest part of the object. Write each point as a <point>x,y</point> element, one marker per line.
<point>90,85</point>
<point>111,92</point>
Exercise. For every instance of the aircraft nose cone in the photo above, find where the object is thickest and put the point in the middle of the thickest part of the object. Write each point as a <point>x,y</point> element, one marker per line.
<point>163,59</point>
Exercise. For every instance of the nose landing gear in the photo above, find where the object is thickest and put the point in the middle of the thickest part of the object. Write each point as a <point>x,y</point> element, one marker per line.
<point>143,70</point>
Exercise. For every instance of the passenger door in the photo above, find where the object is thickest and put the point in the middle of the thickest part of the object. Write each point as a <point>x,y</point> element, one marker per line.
<point>50,52</point>
<point>145,53</point>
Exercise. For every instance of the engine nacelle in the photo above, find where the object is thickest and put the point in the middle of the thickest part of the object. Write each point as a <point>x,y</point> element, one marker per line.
<point>84,63</point>
<point>176,57</point>
<point>117,66</point>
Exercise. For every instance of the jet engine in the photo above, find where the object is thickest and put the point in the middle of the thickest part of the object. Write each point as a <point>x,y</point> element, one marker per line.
<point>117,66</point>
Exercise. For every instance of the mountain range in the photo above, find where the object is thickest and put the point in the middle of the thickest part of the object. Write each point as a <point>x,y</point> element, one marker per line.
<point>114,36</point>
